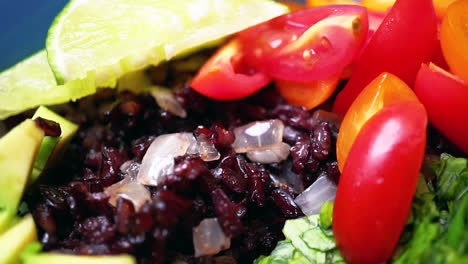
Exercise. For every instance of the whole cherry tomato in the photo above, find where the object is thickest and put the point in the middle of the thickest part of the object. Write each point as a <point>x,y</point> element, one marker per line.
<point>405,39</point>
<point>307,45</point>
<point>383,91</point>
<point>445,97</point>
<point>454,38</point>
<point>225,76</point>
<point>378,182</point>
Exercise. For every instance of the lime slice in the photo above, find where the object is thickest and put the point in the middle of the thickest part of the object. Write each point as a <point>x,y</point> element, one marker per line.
<point>107,38</point>
<point>31,83</point>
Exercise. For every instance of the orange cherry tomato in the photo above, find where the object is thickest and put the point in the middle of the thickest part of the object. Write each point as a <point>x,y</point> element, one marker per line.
<point>316,3</point>
<point>441,6</point>
<point>307,94</point>
<point>293,6</point>
<point>383,91</point>
<point>454,38</point>
<point>378,5</point>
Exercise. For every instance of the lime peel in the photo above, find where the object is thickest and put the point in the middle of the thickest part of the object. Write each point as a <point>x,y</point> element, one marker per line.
<point>31,83</point>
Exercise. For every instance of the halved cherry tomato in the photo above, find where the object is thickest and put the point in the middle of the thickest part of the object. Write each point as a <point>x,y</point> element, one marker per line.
<point>307,94</point>
<point>445,97</point>
<point>293,6</point>
<point>405,39</point>
<point>454,38</point>
<point>307,45</point>
<point>378,182</point>
<point>225,76</point>
<point>383,91</point>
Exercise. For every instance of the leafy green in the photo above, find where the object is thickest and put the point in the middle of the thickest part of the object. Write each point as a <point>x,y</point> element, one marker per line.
<point>437,232</point>
<point>307,241</point>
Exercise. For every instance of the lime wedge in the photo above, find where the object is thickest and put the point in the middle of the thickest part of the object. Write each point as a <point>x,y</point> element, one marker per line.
<point>108,38</point>
<point>31,83</point>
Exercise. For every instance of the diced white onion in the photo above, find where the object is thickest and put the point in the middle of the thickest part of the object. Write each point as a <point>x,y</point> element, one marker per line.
<point>128,188</point>
<point>158,161</point>
<point>209,238</point>
<point>276,153</point>
<point>167,101</point>
<point>206,149</point>
<point>258,135</point>
<point>322,190</point>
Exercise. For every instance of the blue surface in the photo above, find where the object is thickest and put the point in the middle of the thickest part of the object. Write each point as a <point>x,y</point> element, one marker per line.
<point>23,27</point>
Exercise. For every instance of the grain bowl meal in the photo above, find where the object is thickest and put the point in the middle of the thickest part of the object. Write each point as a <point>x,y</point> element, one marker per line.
<point>239,131</point>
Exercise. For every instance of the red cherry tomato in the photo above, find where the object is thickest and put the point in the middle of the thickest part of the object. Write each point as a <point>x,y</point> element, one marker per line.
<point>385,90</point>
<point>378,182</point>
<point>405,39</point>
<point>225,76</point>
<point>445,97</point>
<point>307,45</point>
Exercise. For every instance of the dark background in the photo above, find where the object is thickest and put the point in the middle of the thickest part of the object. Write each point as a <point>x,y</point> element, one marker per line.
<point>23,27</point>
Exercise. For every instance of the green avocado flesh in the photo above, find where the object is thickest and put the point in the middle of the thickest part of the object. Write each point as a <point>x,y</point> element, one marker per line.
<point>47,258</point>
<point>18,151</point>
<point>68,131</point>
<point>47,147</point>
<point>15,240</point>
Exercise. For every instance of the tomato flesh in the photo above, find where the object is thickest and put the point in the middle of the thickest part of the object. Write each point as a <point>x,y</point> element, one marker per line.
<point>454,38</point>
<point>405,39</point>
<point>307,45</point>
<point>378,182</point>
<point>444,96</point>
<point>307,94</point>
<point>383,91</point>
<point>225,76</point>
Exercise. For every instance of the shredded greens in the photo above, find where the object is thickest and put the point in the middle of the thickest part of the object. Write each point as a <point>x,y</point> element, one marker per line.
<point>436,232</point>
<point>308,240</point>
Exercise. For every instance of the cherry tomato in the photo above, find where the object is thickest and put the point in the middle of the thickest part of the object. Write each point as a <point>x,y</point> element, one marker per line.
<point>405,39</point>
<point>378,182</point>
<point>378,5</point>
<point>454,38</point>
<point>293,6</point>
<point>445,97</point>
<point>383,91</point>
<point>441,7</point>
<point>316,3</point>
<point>225,76</point>
<point>307,45</point>
<point>307,94</point>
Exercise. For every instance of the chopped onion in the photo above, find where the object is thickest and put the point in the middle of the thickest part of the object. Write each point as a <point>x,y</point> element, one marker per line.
<point>158,161</point>
<point>206,149</point>
<point>209,238</point>
<point>322,190</point>
<point>322,115</point>
<point>167,101</point>
<point>258,135</point>
<point>276,153</point>
<point>129,188</point>
<point>288,178</point>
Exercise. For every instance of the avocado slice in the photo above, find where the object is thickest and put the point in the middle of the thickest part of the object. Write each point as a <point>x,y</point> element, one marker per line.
<point>52,148</point>
<point>15,240</point>
<point>45,150</point>
<point>18,150</point>
<point>53,258</point>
